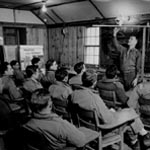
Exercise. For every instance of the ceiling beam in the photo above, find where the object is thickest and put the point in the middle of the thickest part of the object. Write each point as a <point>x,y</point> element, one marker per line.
<point>64,3</point>
<point>57,16</point>
<point>143,18</point>
<point>97,9</point>
<point>76,23</point>
<point>50,17</point>
<point>39,18</point>
<point>26,5</point>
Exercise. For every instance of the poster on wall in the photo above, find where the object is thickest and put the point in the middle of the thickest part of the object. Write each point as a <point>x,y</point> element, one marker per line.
<point>27,52</point>
<point>10,53</point>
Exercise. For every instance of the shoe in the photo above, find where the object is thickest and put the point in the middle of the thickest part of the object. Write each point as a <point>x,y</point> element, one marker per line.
<point>146,140</point>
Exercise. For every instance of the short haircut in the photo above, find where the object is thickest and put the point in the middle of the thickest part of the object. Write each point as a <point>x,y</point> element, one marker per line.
<point>60,74</point>
<point>13,63</point>
<point>30,70</point>
<point>88,78</point>
<point>78,67</point>
<point>35,60</point>
<point>39,99</point>
<point>4,67</point>
<point>49,63</point>
<point>134,35</point>
<point>111,71</point>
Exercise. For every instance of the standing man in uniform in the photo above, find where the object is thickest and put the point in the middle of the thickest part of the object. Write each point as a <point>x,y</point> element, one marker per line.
<point>130,60</point>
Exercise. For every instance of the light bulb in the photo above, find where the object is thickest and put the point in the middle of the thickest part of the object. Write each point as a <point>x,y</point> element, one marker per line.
<point>44,8</point>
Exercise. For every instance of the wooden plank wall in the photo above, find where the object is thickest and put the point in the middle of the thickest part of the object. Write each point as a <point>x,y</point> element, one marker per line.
<point>38,36</point>
<point>66,45</point>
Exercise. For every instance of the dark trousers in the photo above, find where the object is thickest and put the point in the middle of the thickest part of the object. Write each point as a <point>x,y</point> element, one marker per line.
<point>128,78</point>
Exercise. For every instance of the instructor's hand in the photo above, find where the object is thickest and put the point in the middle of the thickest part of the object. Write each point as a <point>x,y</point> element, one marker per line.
<point>115,31</point>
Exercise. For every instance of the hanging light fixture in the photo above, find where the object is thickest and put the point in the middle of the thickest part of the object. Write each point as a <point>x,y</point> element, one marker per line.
<point>44,8</point>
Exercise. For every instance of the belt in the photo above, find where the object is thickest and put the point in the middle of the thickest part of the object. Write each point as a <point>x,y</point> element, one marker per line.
<point>128,71</point>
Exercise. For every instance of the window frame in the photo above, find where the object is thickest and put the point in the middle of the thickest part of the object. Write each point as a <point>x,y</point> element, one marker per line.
<point>86,46</point>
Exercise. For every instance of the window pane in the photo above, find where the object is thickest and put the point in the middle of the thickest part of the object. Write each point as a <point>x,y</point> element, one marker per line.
<point>96,60</point>
<point>88,41</point>
<point>96,41</point>
<point>97,32</point>
<point>96,51</point>
<point>88,31</point>
<point>90,59</point>
<point>93,32</point>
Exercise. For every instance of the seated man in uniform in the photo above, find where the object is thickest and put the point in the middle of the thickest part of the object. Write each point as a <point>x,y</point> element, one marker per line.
<point>61,89</point>
<point>49,78</point>
<point>18,74</point>
<point>111,83</point>
<point>79,68</point>
<point>8,87</point>
<point>58,132</point>
<point>32,83</point>
<point>86,98</point>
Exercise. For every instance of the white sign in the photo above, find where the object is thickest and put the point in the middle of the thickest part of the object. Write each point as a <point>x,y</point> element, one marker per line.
<point>27,52</point>
<point>10,53</point>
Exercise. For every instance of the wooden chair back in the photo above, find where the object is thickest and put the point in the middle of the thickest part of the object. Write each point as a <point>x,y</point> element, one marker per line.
<point>61,108</point>
<point>110,98</point>
<point>33,140</point>
<point>144,109</point>
<point>89,119</point>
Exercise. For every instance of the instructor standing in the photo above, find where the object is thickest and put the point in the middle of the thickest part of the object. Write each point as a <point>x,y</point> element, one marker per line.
<point>130,60</point>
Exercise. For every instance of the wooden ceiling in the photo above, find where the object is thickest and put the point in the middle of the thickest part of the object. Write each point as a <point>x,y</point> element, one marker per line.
<point>76,12</point>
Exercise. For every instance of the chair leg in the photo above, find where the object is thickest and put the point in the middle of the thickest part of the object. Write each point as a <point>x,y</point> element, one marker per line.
<point>122,141</point>
<point>100,147</point>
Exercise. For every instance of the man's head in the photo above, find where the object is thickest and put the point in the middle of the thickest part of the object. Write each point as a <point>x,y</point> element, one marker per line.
<point>111,71</point>
<point>132,41</point>
<point>32,71</point>
<point>40,100</point>
<point>79,67</point>
<point>89,78</point>
<point>14,64</point>
<point>6,69</point>
<point>35,61</point>
<point>51,64</point>
<point>61,75</point>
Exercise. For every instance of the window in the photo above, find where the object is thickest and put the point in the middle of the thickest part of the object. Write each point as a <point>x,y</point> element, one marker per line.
<point>92,45</point>
<point>14,36</point>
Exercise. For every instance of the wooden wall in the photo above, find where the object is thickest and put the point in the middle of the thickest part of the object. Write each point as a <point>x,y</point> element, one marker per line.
<point>38,36</point>
<point>66,45</point>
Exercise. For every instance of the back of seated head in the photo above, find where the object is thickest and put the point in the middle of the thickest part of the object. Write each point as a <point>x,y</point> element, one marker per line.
<point>30,70</point>
<point>79,67</point>
<point>13,62</point>
<point>40,99</point>
<point>111,71</point>
<point>4,67</point>
<point>35,60</point>
<point>49,63</point>
<point>60,74</point>
<point>89,78</point>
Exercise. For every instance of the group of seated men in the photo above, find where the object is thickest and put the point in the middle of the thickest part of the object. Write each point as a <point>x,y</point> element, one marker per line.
<point>81,90</point>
